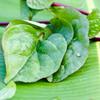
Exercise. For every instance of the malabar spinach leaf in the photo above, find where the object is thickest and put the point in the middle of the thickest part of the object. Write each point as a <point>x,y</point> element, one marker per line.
<point>45,60</point>
<point>77,51</point>
<point>18,43</point>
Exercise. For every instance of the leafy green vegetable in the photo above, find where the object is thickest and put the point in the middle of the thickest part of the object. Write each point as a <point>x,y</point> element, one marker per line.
<point>94,22</point>
<point>18,43</point>
<point>77,51</point>
<point>39,4</point>
<point>34,51</point>
<point>8,91</point>
<point>38,59</point>
<point>45,61</point>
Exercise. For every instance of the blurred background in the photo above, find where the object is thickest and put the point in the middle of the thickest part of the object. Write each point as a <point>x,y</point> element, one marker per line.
<point>10,9</point>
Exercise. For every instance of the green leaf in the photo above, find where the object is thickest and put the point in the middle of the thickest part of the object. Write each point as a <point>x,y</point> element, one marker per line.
<point>19,43</point>
<point>79,21</point>
<point>77,51</point>
<point>45,61</point>
<point>7,91</point>
<point>39,4</point>
<point>83,85</point>
<point>94,22</point>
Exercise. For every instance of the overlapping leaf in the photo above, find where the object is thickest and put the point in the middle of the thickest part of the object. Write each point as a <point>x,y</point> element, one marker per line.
<point>45,60</point>
<point>77,51</point>
<point>24,54</point>
<point>31,54</point>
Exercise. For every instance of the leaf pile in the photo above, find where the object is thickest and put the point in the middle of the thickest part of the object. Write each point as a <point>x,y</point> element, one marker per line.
<point>34,51</point>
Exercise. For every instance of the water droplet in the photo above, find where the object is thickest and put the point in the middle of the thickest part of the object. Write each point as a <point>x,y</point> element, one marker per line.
<point>78,55</point>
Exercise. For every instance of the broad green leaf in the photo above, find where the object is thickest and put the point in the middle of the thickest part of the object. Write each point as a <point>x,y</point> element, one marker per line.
<point>82,85</point>
<point>45,61</point>
<point>77,51</point>
<point>94,22</point>
<point>18,43</point>
<point>2,63</point>
<point>39,4</point>
<point>78,21</point>
<point>8,91</point>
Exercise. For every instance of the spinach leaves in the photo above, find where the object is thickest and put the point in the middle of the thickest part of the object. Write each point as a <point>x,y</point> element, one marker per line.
<point>77,51</point>
<point>33,51</point>
<point>18,43</point>
<point>45,60</point>
<point>55,51</point>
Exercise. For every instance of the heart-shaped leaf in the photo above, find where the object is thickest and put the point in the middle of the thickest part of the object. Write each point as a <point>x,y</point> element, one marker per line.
<point>45,60</point>
<point>23,55</point>
<point>77,51</point>
<point>18,44</point>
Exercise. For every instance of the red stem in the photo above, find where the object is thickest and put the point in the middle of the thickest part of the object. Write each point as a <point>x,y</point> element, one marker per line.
<point>95,39</point>
<point>46,22</point>
<point>59,4</point>
<point>4,23</point>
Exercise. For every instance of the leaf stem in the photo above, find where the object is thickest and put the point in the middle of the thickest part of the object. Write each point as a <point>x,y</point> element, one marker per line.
<point>3,23</point>
<point>59,4</point>
<point>95,39</point>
